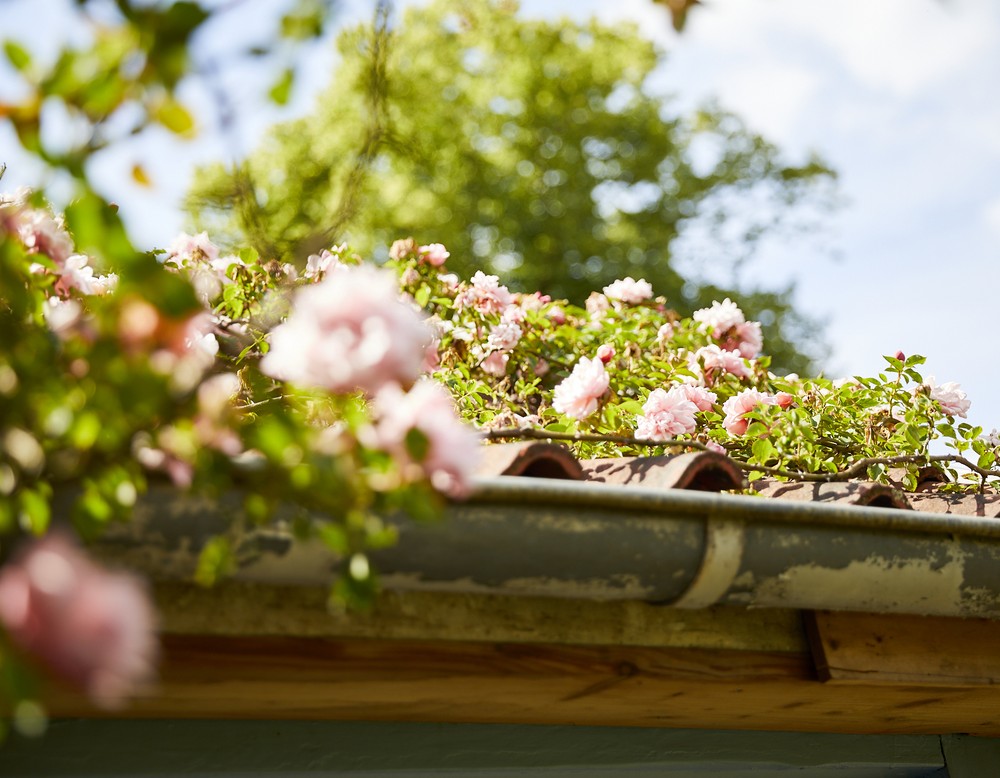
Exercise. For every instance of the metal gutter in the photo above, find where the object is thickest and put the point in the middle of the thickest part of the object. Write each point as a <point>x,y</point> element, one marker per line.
<point>691,549</point>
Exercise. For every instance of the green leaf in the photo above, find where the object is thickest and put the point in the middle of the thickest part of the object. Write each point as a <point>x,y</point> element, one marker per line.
<point>215,562</point>
<point>17,55</point>
<point>417,444</point>
<point>174,116</point>
<point>281,90</point>
<point>763,450</point>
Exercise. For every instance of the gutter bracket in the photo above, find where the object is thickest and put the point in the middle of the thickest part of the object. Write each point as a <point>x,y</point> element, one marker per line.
<point>724,542</point>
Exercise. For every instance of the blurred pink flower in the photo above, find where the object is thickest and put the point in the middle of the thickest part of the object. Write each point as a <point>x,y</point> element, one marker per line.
<point>453,447</point>
<point>720,318</point>
<point>557,315</point>
<point>318,265</point>
<point>577,394</point>
<point>496,363</point>
<point>349,331</point>
<point>745,338</point>
<point>43,234</point>
<point>605,352</point>
<point>92,627</point>
<point>951,398</point>
<point>738,406</point>
<point>485,294</point>
<point>186,249</point>
<point>433,254</point>
<point>503,336</point>
<point>703,399</point>
<point>628,290</point>
<point>714,360</point>
<point>666,414</point>
<point>665,333</point>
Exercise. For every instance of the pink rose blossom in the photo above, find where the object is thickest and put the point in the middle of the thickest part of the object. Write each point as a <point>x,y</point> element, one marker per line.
<point>433,254</point>
<point>720,318</point>
<point>745,338</point>
<point>738,406</point>
<point>318,265</point>
<point>628,290</point>
<point>496,363</point>
<point>485,294</point>
<point>503,336</point>
<point>606,353</point>
<point>349,331</point>
<point>716,360</point>
<point>951,398</point>
<point>453,447</point>
<point>533,302</point>
<point>77,274</point>
<point>577,395</point>
<point>43,234</point>
<point>187,249</point>
<point>701,397</point>
<point>557,315</point>
<point>716,447</point>
<point>784,400</point>
<point>597,305</point>
<point>666,414</point>
<point>92,627</point>
<point>665,333</point>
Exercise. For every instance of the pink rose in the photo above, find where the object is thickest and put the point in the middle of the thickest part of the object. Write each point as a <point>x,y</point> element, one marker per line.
<point>485,294</point>
<point>496,363</point>
<point>453,447</point>
<point>665,333</point>
<point>745,338</point>
<point>628,290</point>
<point>738,406</point>
<point>712,360</point>
<point>503,336</point>
<point>666,414</point>
<point>557,315</point>
<point>349,331</point>
<point>703,399</point>
<point>92,627</point>
<point>42,234</point>
<point>186,249</point>
<point>433,254</point>
<point>577,394</point>
<point>720,318</point>
<point>606,353</point>
<point>951,398</point>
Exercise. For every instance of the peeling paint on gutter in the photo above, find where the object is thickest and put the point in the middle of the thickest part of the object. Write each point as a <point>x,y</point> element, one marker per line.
<point>526,536</point>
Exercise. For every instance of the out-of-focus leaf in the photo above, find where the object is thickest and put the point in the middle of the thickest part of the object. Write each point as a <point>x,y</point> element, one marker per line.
<point>174,116</point>
<point>17,55</point>
<point>282,88</point>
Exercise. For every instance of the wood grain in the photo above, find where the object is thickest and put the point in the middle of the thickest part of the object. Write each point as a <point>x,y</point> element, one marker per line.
<point>444,681</point>
<point>893,649</point>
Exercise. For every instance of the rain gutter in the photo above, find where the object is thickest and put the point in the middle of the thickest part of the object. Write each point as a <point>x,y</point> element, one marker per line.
<point>686,549</point>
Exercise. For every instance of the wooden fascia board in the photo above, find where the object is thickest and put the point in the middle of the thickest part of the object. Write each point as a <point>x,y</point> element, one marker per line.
<point>215,677</point>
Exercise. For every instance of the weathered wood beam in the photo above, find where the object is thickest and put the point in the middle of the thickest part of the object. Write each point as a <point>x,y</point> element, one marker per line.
<point>896,649</point>
<point>453,681</point>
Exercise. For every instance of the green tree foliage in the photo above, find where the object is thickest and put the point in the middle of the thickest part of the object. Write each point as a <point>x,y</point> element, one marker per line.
<point>531,149</point>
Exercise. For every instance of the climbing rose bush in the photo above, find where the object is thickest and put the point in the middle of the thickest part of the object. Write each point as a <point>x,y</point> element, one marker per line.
<point>354,392</point>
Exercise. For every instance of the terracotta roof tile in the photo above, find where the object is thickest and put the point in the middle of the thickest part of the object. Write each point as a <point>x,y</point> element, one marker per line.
<point>711,472</point>
<point>699,471</point>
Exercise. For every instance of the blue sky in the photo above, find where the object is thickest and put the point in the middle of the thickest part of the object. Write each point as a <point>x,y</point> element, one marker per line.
<point>900,96</point>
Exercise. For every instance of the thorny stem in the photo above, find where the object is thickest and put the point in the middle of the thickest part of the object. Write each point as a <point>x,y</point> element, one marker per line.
<point>858,468</point>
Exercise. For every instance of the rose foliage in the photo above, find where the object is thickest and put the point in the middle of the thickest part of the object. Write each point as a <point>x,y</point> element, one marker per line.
<point>351,392</point>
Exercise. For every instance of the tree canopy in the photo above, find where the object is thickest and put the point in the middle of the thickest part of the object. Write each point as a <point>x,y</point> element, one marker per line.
<point>532,148</point>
